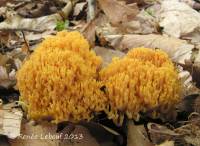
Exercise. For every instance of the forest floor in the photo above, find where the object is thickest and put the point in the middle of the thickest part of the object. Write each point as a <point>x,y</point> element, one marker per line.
<point>112,27</point>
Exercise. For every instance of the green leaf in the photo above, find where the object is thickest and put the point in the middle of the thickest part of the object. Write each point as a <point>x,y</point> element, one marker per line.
<point>150,12</point>
<point>61,25</point>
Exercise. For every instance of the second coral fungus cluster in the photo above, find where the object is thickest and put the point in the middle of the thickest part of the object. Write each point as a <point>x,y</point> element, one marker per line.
<point>59,80</point>
<point>62,80</point>
<point>142,80</point>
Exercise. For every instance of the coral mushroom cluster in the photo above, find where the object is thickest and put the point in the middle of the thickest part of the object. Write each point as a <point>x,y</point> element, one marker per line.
<point>142,80</point>
<point>59,80</point>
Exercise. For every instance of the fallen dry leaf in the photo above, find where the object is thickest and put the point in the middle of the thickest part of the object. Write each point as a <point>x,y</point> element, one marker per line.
<point>143,23</point>
<point>194,69</point>
<point>3,2</point>
<point>34,135</point>
<point>189,104</point>
<point>148,23</point>
<point>9,64</point>
<point>90,28</point>
<point>191,131</point>
<point>189,2</point>
<point>103,134</point>
<point>46,134</point>
<point>86,140</point>
<point>178,50</point>
<point>89,32</point>
<point>117,12</point>
<point>160,133</point>
<point>136,135</point>
<point>15,22</point>
<point>6,79</point>
<point>79,7</point>
<point>197,58</point>
<point>7,39</point>
<point>3,59</point>
<point>37,24</point>
<point>34,9</point>
<point>10,119</point>
<point>178,19</point>
<point>91,12</point>
<point>167,143</point>
<point>107,54</point>
<point>193,38</point>
<point>187,83</point>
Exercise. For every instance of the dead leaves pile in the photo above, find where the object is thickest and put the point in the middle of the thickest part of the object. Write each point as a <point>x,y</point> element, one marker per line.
<point>112,27</point>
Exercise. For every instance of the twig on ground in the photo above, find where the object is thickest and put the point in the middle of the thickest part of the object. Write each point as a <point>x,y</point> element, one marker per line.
<point>26,44</point>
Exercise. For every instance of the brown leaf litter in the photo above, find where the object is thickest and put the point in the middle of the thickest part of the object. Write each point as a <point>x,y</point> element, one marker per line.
<point>118,25</point>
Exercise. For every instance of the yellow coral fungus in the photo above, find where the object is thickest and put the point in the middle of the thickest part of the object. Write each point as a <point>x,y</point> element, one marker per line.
<point>59,80</point>
<point>156,57</point>
<point>74,42</point>
<point>142,80</point>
